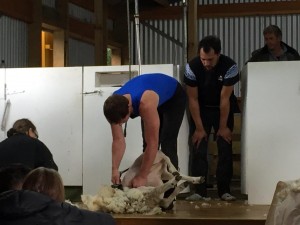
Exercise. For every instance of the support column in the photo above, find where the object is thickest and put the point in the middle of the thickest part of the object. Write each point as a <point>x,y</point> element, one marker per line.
<point>100,32</point>
<point>192,29</point>
<point>61,36</point>
<point>35,36</point>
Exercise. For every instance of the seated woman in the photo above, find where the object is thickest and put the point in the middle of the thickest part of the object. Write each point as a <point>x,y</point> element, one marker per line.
<point>22,146</point>
<point>42,202</point>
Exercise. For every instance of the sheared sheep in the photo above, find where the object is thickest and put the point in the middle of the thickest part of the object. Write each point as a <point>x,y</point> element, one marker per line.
<point>146,200</point>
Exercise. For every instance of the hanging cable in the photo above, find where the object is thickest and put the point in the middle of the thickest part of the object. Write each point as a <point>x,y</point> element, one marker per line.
<point>137,33</point>
<point>129,53</point>
<point>129,39</point>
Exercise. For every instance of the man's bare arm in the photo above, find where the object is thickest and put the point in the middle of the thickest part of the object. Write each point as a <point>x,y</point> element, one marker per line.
<point>150,117</point>
<point>199,134</point>
<point>224,131</point>
<point>118,149</point>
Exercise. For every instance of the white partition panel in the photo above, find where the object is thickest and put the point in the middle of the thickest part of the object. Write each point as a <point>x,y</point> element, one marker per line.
<point>270,132</point>
<point>52,99</point>
<point>97,137</point>
<point>2,103</point>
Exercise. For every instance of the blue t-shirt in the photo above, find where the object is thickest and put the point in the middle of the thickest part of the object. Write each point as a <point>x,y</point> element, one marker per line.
<point>161,84</point>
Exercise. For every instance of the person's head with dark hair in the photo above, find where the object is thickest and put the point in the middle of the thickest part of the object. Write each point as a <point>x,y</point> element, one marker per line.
<point>273,36</point>
<point>12,177</point>
<point>23,126</point>
<point>273,29</point>
<point>41,201</point>
<point>209,49</point>
<point>209,43</point>
<point>116,109</point>
<point>46,181</point>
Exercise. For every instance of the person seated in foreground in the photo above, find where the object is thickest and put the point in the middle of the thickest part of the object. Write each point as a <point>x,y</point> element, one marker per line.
<point>12,177</point>
<point>23,146</point>
<point>42,202</point>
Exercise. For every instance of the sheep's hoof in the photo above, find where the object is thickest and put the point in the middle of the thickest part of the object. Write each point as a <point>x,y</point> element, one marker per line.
<point>176,173</point>
<point>169,207</point>
<point>178,178</point>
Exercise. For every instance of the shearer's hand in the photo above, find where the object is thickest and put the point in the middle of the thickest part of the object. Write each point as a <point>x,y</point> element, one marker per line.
<point>138,181</point>
<point>115,177</point>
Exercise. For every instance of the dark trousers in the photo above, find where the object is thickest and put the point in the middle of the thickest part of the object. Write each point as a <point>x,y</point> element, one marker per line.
<point>198,162</point>
<point>170,114</point>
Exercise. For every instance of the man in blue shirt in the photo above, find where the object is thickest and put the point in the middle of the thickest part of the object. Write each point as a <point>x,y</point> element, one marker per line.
<point>160,102</point>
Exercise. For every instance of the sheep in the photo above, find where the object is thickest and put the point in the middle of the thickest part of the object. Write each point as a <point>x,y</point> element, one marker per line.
<point>162,169</point>
<point>147,199</point>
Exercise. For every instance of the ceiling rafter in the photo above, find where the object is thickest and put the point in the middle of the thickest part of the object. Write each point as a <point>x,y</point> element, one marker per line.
<point>224,10</point>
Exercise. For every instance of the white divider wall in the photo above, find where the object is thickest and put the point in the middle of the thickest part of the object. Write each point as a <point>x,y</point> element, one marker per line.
<point>66,106</point>
<point>52,99</point>
<point>270,132</point>
<point>97,137</point>
<point>2,101</point>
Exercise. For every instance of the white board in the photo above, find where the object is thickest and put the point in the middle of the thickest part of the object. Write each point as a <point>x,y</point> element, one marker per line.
<point>270,131</point>
<point>52,99</point>
<point>2,102</point>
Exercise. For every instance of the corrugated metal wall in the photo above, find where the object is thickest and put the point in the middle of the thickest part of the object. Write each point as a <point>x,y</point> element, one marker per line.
<point>211,2</point>
<point>49,3</point>
<point>13,42</point>
<point>163,41</point>
<point>81,13</point>
<point>240,36</point>
<point>81,53</point>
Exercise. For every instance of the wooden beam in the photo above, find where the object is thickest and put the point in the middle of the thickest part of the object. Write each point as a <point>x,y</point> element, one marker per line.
<point>52,17</point>
<point>34,35</point>
<point>162,2</point>
<point>82,29</point>
<point>20,10</point>
<point>225,10</point>
<point>100,32</point>
<point>192,29</point>
<point>168,13</point>
<point>249,9</point>
<point>86,4</point>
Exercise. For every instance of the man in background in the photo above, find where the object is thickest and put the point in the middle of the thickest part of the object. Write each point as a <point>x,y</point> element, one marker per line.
<point>275,49</point>
<point>210,78</point>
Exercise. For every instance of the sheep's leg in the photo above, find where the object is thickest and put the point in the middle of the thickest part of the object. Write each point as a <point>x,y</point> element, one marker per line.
<point>170,167</point>
<point>193,180</point>
<point>166,202</point>
<point>166,175</point>
<point>171,171</point>
<point>164,187</point>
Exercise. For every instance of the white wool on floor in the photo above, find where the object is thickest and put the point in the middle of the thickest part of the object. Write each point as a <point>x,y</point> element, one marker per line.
<point>129,200</point>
